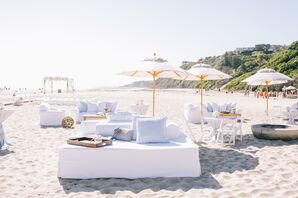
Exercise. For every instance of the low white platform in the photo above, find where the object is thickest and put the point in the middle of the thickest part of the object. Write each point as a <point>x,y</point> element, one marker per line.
<point>178,158</point>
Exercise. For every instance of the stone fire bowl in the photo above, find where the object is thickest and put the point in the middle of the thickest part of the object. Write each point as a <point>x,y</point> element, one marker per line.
<point>275,132</point>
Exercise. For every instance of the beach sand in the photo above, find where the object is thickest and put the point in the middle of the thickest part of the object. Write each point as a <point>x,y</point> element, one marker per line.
<point>251,168</point>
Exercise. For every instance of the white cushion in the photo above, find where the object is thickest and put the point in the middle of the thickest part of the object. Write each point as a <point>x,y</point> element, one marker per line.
<point>151,130</point>
<point>188,105</point>
<point>233,107</point>
<point>119,116</point>
<point>229,107</point>
<point>223,107</point>
<point>92,107</point>
<point>209,107</point>
<point>101,105</point>
<point>83,106</point>
<point>215,106</point>
<point>134,124</point>
<point>173,131</point>
<point>111,106</point>
<point>44,107</point>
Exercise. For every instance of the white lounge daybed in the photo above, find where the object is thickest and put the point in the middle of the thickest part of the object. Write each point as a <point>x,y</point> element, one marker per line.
<point>177,158</point>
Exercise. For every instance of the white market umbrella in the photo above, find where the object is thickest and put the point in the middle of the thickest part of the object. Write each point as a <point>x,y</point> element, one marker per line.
<point>154,68</point>
<point>204,72</point>
<point>267,77</point>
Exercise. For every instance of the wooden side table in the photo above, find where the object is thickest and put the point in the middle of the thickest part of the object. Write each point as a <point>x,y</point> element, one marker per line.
<point>94,117</point>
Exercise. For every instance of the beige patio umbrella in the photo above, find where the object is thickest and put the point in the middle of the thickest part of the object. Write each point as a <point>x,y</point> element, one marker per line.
<point>204,72</point>
<point>267,77</point>
<point>154,68</point>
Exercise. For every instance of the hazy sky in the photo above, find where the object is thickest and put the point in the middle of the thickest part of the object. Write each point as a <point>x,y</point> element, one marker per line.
<point>92,40</point>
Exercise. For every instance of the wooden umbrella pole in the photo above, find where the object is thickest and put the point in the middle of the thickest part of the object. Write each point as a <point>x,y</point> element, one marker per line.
<point>201,85</point>
<point>153,90</point>
<point>267,95</point>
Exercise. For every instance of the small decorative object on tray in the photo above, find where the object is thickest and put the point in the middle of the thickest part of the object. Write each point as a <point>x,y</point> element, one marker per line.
<point>67,122</point>
<point>90,142</point>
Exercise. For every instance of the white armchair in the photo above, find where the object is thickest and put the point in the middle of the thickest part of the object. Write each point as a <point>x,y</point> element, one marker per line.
<point>192,113</point>
<point>50,116</point>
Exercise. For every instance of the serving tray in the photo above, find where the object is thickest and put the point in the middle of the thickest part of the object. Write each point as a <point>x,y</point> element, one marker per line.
<point>89,142</point>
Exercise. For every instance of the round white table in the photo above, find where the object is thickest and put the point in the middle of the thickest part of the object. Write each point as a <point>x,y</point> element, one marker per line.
<point>4,114</point>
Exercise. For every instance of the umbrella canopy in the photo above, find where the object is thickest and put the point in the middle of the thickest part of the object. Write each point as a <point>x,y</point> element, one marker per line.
<point>204,72</point>
<point>154,68</point>
<point>264,76</point>
<point>267,77</point>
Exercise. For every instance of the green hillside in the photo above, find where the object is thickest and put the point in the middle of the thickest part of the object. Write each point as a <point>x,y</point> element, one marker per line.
<point>240,64</point>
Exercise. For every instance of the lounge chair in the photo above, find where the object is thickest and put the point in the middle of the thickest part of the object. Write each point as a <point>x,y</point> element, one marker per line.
<point>50,116</point>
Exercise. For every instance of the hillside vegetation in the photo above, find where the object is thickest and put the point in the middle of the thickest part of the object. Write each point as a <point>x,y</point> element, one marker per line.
<point>240,65</point>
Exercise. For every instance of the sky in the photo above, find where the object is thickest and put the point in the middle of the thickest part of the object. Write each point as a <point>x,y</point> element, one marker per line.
<point>91,41</point>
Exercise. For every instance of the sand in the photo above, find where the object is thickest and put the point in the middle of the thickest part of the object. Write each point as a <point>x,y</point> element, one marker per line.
<point>251,168</point>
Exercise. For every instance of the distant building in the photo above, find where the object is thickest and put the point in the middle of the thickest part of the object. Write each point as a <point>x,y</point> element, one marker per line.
<point>244,50</point>
<point>260,47</point>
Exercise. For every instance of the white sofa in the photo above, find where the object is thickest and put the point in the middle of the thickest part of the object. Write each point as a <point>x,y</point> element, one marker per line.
<point>93,107</point>
<point>177,158</point>
<point>192,112</point>
<point>50,116</point>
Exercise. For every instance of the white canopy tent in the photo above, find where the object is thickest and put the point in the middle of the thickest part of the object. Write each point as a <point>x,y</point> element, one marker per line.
<point>51,80</point>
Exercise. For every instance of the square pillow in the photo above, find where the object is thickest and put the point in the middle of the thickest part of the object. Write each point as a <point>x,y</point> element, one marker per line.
<point>92,107</point>
<point>82,106</point>
<point>44,107</point>
<point>215,107</point>
<point>134,124</point>
<point>229,107</point>
<point>233,107</point>
<point>101,105</point>
<point>151,130</point>
<point>209,107</point>
<point>223,107</point>
<point>111,106</point>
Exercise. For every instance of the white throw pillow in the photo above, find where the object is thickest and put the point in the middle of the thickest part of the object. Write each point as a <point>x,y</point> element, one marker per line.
<point>188,105</point>
<point>111,106</point>
<point>119,116</point>
<point>223,107</point>
<point>134,124</point>
<point>44,107</point>
<point>233,107</point>
<point>173,131</point>
<point>151,130</point>
<point>209,107</point>
<point>101,105</point>
<point>92,107</point>
<point>215,107</point>
<point>83,106</point>
<point>229,107</point>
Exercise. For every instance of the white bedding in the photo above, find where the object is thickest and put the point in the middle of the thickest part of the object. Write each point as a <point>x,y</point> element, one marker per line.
<point>130,160</point>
